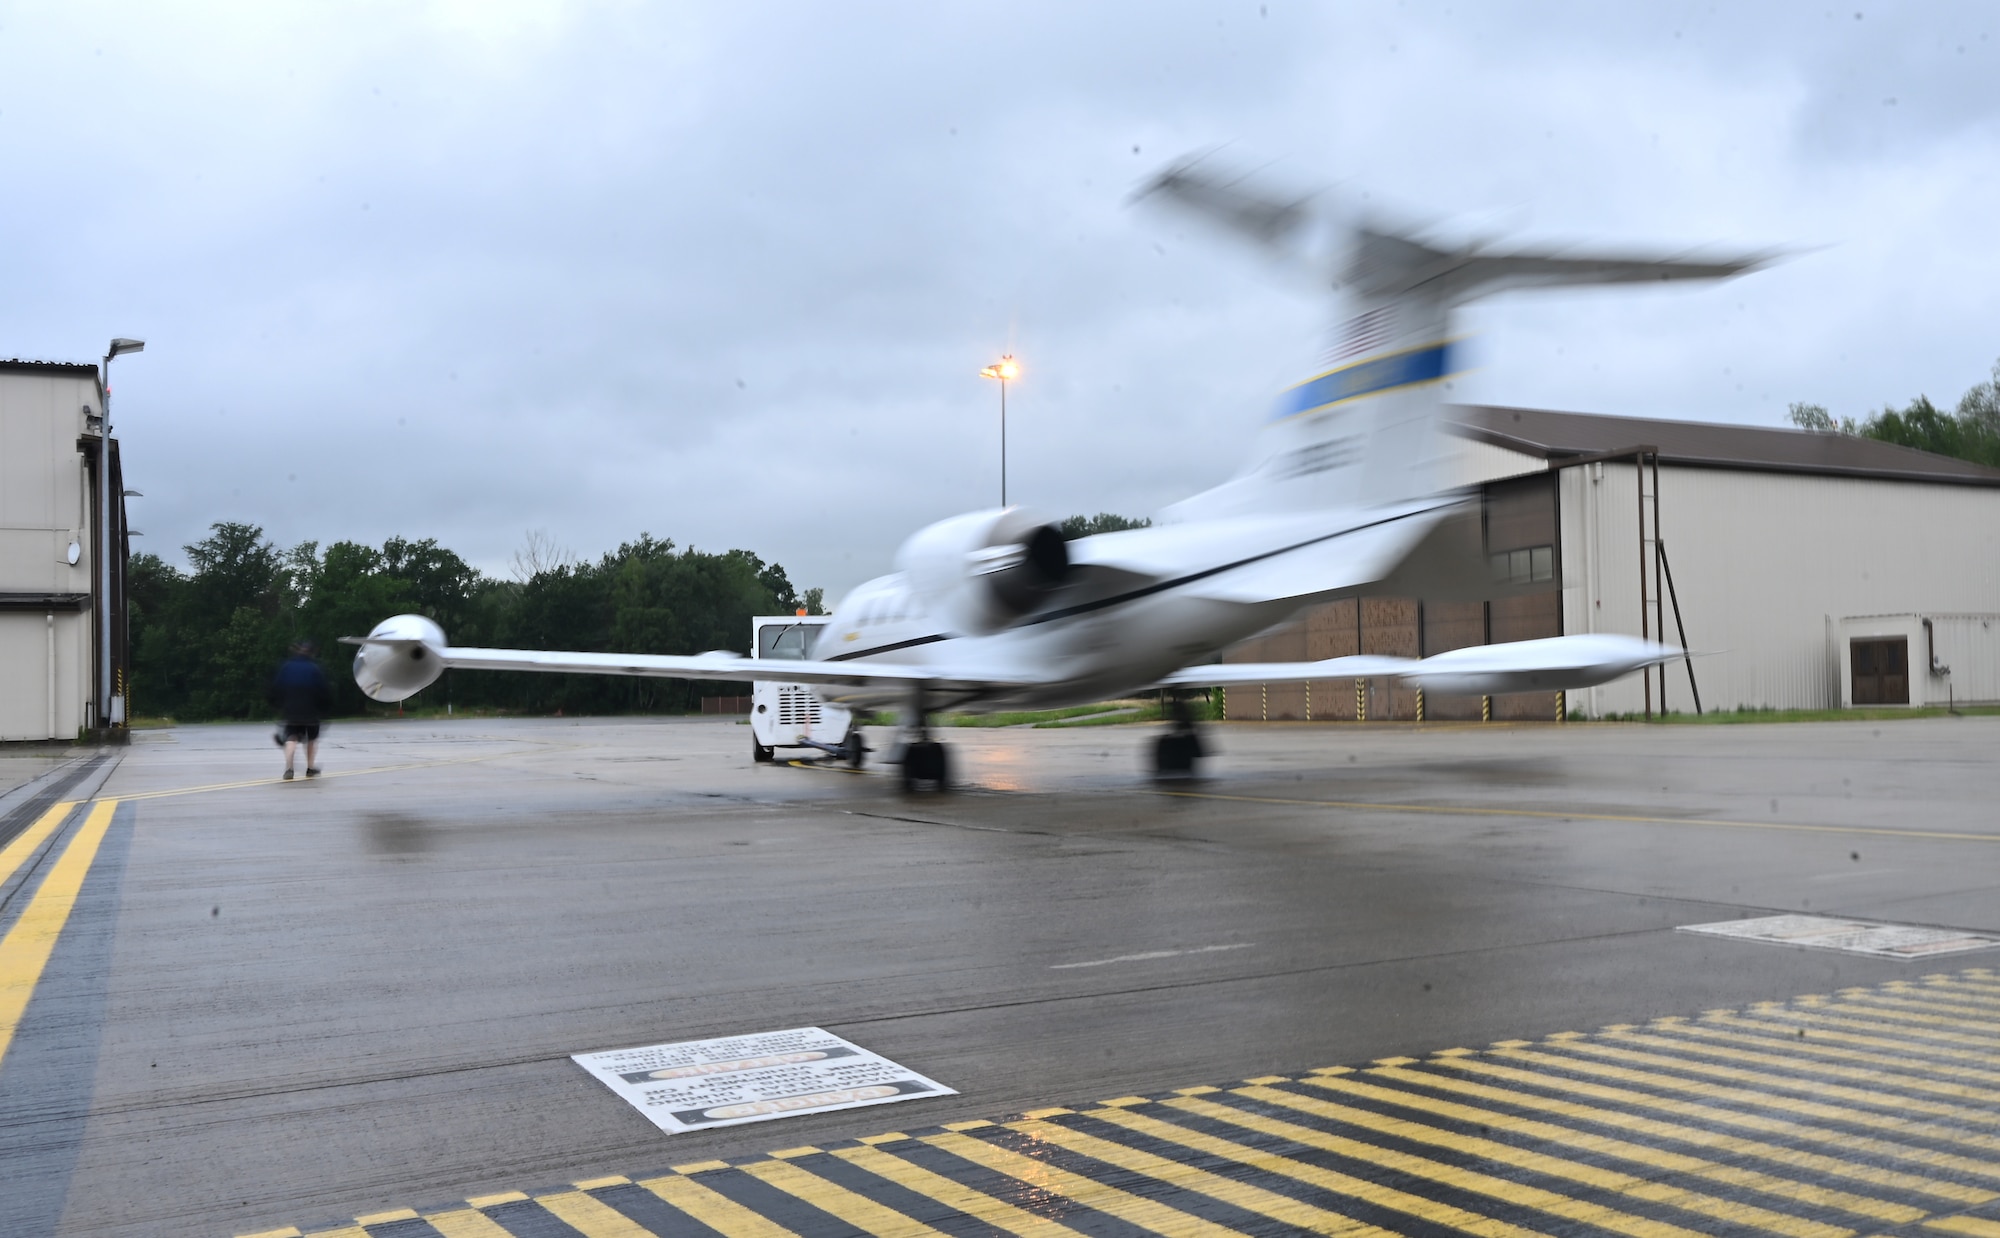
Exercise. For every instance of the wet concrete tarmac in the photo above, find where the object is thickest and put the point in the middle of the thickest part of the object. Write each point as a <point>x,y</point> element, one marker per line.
<point>284,1002</point>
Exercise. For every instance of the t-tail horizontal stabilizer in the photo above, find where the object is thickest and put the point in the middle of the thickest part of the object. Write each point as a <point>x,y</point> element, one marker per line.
<point>1557,663</point>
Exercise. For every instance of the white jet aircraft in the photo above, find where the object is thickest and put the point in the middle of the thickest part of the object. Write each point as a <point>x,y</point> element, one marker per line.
<point>1342,496</point>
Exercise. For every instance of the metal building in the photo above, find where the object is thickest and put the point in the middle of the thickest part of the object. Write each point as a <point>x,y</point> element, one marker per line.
<point>1814,570</point>
<point>49,601</point>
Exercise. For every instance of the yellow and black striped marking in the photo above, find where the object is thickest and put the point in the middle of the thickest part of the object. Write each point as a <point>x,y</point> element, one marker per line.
<point>1869,1111</point>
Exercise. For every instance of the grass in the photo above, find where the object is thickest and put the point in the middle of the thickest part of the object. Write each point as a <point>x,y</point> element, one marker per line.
<point>1143,711</point>
<point>1733,716</point>
<point>1033,717</point>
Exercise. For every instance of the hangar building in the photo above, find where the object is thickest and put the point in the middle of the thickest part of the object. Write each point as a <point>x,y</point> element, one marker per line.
<point>1815,570</point>
<point>49,616</point>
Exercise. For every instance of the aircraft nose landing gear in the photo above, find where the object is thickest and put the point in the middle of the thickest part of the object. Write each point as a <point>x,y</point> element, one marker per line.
<point>1177,753</point>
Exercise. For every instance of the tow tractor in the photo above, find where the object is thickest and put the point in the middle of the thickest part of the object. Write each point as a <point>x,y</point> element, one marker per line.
<point>788,715</point>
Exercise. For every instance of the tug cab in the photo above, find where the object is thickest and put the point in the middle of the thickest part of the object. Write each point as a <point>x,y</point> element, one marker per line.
<point>788,715</point>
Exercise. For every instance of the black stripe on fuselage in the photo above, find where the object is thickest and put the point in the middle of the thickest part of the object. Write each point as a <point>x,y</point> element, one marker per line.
<point>911,643</point>
<point>1084,608</point>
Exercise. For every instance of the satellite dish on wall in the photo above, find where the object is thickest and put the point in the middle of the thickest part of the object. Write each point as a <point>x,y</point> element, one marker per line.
<point>75,552</point>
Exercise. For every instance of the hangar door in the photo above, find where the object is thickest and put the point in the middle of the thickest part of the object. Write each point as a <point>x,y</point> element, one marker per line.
<point>1881,668</point>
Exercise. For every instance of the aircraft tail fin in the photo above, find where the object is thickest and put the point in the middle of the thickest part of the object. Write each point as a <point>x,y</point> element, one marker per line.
<point>1366,428</point>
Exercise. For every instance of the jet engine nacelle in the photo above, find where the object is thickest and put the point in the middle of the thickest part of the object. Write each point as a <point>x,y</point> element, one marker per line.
<point>400,658</point>
<point>985,570</point>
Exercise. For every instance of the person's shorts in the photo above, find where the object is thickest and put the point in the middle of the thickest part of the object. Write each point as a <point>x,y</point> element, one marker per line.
<point>305,732</point>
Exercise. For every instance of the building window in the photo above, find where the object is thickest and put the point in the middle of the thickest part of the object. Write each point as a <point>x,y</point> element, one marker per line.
<point>1881,670</point>
<point>1532,565</point>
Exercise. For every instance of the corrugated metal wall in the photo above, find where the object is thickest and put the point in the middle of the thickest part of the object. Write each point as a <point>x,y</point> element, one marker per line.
<point>1970,646</point>
<point>43,500</point>
<point>1763,563</point>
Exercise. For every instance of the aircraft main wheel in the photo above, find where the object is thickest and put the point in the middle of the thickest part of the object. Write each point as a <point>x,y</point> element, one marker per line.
<point>1175,753</point>
<point>926,761</point>
<point>857,749</point>
<point>758,752</point>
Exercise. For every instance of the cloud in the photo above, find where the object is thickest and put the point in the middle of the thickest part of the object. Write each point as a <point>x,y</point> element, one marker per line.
<point>728,275</point>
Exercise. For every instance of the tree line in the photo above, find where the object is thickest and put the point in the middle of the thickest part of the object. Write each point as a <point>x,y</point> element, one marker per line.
<point>1970,432</point>
<point>204,642</point>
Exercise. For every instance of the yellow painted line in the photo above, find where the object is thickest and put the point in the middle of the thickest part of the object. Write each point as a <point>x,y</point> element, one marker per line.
<point>1804,1108</point>
<point>1818,1069</point>
<point>954,1195</point>
<point>1890,1061</point>
<point>1105,1198</point>
<point>1817,1018</point>
<point>1955,1012</point>
<point>465,1223</point>
<point>717,1211</point>
<point>1471,1181</point>
<point>1459,810</point>
<point>289,1231</point>
<point>25,843</point>
<point>592,1218</point>
<point>1965,990</point>
<point>205,788</point>
<point>1771,1083</point>
<point>25,950</point>
<point>1296,1214</point>
<point>1778,1127</point>
<point>345,1231</point>
<point>1702,1137</point>
<point>1973,1226</point>
<point>1642,1154</point>
<point>1379,1194</point>
<point>1550,1166</point>
<point>383,1218</point>
<point>833,1199</point>
<point>496,1199</point>
<point>825,769</point>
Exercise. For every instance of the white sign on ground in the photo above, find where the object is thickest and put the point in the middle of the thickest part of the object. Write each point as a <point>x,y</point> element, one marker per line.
<point>698,1084</point>
<point>1890,941</point>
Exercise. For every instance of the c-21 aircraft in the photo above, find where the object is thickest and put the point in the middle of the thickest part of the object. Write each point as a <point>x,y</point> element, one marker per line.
<point>1342,495</point>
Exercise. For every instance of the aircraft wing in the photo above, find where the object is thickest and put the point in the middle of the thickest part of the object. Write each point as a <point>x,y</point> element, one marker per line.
<point>726,666</point>
<point>406,654</point>
<point>1548,665</point>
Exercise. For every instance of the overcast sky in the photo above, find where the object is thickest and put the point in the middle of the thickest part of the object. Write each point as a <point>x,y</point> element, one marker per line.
<point>727,273</point>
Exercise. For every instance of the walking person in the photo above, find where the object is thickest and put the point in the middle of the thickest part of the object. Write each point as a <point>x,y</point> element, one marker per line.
<point>301,693</point>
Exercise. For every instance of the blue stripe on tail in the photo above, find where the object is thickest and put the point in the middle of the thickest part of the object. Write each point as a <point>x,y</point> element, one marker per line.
<point>1377,374</point>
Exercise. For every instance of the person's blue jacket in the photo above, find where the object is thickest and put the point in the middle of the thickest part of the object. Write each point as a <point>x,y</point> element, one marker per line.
<point>300,691</point>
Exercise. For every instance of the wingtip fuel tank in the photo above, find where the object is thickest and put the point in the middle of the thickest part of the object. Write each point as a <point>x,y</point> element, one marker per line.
<point>401,657</point>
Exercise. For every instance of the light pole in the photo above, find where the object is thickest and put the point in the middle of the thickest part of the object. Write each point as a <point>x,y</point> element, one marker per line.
<point>1003,369</point>
<point>119,347</point>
